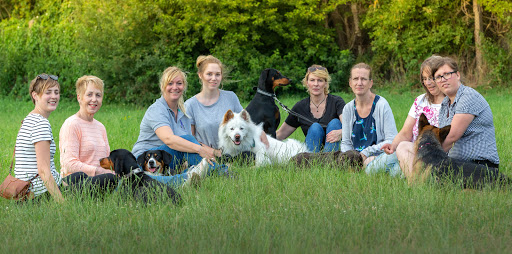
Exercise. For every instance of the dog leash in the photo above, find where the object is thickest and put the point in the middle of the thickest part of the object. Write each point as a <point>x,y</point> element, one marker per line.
<point>285,108</point>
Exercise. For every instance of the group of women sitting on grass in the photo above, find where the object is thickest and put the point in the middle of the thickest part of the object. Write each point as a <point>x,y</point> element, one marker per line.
<point>188,130</point>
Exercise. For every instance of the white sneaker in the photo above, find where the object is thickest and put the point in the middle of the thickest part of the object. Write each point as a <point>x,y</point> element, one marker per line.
<point>197,172</point>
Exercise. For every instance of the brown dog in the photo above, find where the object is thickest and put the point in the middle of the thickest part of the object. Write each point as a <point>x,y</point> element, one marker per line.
<point>349,159</point>
<point>432,160</point>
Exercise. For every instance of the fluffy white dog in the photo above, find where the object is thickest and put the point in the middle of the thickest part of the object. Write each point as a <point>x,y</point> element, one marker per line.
<point>237,133</point>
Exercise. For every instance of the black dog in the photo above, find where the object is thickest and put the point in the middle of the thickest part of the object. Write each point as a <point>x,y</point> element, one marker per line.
<point>262,107</point>
<point>431,159</point>
<point>156,162</point>
<point>141,186</point>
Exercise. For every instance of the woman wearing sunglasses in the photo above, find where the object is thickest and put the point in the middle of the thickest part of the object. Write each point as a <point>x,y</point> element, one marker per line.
<point>35,147</point>
<point>320,113</point>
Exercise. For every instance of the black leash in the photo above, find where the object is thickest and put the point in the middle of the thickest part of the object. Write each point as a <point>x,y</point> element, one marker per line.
<point>285,108</point>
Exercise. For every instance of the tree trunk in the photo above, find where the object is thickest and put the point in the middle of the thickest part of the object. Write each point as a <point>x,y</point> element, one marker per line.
<point>478,42</point>
<point>357,30</point>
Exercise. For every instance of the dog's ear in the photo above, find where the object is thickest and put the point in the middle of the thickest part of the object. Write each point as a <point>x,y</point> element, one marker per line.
<point>142,159</point>
<point>228,116</point>
<point>245,115</point>
<point>443,132</point>
<point>263,78</point>
<point>166,158</point>
<point>422,122</point>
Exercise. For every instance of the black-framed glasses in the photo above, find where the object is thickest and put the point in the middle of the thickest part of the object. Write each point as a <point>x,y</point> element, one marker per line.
<point>47,76</point>
<point>446,76</point>
<point>314,68</point>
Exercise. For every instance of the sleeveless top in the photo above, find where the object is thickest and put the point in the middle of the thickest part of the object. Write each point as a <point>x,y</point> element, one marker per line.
<point>363,130</point>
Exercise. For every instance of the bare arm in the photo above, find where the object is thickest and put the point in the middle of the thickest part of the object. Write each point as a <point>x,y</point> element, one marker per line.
<point>405,134</point>
<point>460,123</point>
<point>167,136</point>
<point>284,131</point>
<point>44,169</point>
<point>334,135</point>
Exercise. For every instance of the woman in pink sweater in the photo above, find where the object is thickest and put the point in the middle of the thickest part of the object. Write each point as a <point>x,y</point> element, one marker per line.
<point>83,139</point>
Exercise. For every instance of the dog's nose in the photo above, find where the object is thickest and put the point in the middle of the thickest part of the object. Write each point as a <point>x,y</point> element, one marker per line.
<point>151,163</point>
<point>237,137</point>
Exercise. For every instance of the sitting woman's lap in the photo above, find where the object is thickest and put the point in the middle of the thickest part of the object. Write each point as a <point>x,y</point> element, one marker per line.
<point>315,138</point>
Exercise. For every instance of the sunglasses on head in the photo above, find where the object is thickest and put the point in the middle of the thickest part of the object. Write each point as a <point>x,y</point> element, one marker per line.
<point>46,76</point>
<point>314,68</point>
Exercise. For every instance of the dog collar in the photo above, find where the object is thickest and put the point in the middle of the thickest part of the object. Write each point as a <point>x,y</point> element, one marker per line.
<point>265,93</point>
<point>426,144</point>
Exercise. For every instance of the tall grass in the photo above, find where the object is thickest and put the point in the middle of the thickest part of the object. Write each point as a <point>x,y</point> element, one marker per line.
<point>270,209</point>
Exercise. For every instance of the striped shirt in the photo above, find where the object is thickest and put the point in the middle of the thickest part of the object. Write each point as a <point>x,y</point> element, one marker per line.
<point>35,128</point>
<point>478,141</point>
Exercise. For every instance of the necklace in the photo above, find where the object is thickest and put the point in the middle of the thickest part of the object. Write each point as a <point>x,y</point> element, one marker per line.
<point>317,106</point>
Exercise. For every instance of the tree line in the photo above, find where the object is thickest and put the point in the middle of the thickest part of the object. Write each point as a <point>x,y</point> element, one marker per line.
<point>128,43</point>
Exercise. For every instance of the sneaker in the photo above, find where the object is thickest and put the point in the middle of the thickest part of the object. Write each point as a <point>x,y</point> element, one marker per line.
<point>197,172</point>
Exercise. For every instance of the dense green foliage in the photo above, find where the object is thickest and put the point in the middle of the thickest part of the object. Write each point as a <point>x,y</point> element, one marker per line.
<point>129,43</point>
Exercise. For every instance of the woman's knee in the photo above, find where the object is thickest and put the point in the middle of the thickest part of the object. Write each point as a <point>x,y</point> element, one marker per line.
<point>334,124</point>
<point>315,130</point>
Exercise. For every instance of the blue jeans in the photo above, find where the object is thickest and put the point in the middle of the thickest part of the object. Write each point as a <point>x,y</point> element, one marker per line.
<point>179,158</point>
<point>315,138</point>
<point>385,163</point>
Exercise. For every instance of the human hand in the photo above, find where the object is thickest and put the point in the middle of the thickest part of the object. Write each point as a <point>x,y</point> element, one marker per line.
<point>208,153</point>
<point>388,148</point>
<point>333,136</point>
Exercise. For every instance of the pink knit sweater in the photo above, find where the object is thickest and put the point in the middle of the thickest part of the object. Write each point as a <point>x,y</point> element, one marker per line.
<point>82,144</point>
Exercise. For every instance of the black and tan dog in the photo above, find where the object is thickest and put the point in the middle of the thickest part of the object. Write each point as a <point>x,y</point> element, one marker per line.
<point>432,160</point>
<point>262,107</point>
<point>156,162</point>
<point>142,187</point>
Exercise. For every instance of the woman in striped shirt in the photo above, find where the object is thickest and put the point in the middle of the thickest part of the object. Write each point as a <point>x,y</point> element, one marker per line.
<point>35,147</point>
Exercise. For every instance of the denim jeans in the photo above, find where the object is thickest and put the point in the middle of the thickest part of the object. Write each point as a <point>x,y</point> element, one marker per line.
<point>385,163</point>
<point>179,158</point>
<point>315,138</point>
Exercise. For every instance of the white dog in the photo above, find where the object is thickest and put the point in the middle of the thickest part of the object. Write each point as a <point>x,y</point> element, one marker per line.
<point>237,133</point>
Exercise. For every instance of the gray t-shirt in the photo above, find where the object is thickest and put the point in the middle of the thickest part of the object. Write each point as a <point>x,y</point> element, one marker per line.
<point>478,141</point>
<point>159,114</point>
<point>206,119</point>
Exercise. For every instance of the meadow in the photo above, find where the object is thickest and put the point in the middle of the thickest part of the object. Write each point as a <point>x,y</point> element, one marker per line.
<point>284,209</point>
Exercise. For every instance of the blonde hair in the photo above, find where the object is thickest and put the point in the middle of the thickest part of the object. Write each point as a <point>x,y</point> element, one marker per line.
<point>84,81</point>
<point>320,72</point>
<point>167,76</point>
<point>40,85</point>
<point>203,61</point>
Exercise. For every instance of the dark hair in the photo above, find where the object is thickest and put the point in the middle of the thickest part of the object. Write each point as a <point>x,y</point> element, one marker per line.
<point>440,62</point>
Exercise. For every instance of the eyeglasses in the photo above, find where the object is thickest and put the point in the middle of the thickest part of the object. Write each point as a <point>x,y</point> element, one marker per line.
<point>46,76</point>
<point>314,68</point>
<point>446,76</point>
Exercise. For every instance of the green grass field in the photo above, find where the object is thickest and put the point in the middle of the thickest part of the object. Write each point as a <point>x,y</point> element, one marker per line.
<point>271,209</point>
